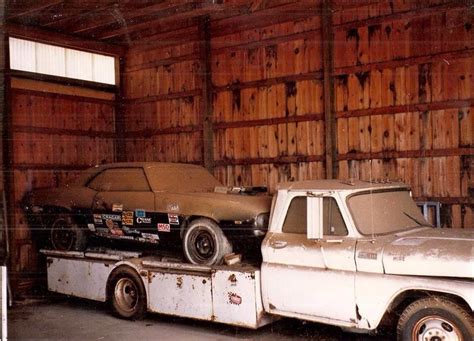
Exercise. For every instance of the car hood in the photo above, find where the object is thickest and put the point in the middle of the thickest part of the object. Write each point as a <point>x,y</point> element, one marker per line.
<point>217,206</point>
<point>431,252</point>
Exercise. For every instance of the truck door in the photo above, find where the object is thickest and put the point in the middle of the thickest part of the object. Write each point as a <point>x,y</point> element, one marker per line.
<point>310,279</point>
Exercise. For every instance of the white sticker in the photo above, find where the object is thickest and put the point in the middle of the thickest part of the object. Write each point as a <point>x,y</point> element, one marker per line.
<point>91,227</point>
<point>150,236</point>
<point>173,219</point>
<point>144,220</point>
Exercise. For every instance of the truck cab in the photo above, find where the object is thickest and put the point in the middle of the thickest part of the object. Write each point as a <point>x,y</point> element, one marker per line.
<point>349,253</point>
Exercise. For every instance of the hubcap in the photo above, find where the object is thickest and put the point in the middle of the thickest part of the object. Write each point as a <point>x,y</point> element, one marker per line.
<point>203,244</point>
<point>436,328</point>
<point>62,237</point>
<point>126,294</point>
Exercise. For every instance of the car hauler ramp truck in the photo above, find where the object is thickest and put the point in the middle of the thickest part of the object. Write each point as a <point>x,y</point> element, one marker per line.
<point>352,254</point>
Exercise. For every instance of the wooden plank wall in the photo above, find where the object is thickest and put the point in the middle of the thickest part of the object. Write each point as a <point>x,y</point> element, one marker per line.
<point>56,132</point>
<point>163,93</point>
<point>403,88</point>
<point>404,99</point>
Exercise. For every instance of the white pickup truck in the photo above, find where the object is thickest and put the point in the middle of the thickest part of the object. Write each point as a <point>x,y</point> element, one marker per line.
<point>357,255</point>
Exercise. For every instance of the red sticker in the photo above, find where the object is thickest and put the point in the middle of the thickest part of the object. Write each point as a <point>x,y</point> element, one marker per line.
<point>163,227</point>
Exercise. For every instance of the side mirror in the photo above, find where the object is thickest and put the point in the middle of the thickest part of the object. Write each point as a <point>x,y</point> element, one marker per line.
<point>315,217</point>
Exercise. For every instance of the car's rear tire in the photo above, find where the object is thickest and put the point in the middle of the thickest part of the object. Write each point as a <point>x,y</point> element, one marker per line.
<point>204,243</point>
<point>435,318</point>
<point>66,235</point>
<point>126,294</point>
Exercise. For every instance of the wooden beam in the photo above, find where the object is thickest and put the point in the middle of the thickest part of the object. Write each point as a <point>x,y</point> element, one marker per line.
<point>147,133</point>
<point>30,10</point>
<point>412,154</point>
<point>181,12</point>
<point>165,97</point>
<point>317,75</point>
<point>64,40</point>
<point>206,101</point>
<point>280,160</point>
<point>268,121</point>
<point>62,132</point>
<point>328,79</point>
<point>420,107</point>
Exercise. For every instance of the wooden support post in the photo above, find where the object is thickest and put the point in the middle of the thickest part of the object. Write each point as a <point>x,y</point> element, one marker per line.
<point>120,146</point>
<point>329,108</point>
<point>6,145</point>
<point>206,101</point>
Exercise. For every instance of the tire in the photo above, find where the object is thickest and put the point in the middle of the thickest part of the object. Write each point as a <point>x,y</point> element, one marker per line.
<point>65,235</point>
<point>435,318</point>
<point>204,243</point>
<point>126,294</point>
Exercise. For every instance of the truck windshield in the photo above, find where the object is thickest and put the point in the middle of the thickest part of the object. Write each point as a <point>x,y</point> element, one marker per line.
<point>382,212</point>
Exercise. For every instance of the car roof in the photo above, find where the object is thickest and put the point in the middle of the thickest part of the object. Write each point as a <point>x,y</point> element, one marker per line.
<point>325,185</point>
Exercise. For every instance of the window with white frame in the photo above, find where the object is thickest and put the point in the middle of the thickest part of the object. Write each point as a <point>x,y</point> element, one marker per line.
<point>26,55</point>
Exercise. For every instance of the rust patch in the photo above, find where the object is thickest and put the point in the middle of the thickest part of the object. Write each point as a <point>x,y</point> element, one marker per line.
<point>179,282</point>
<point>204,281</point>
<point>271,306</point>
<point>233,279</point>
<point>49,261</point>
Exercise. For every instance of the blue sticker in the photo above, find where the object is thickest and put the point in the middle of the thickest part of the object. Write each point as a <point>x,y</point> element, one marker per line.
<point>140,213</point>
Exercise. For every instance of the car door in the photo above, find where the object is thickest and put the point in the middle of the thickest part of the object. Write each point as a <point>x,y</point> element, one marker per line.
<point>310,279</point>
<point>124,203</point>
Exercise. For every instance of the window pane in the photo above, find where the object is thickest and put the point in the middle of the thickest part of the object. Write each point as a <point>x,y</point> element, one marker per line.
<point>50,60</point>
<point>120,179</point>
<point>103,69</point>
<point>22,55</point>
<point>296,221</point>
<point>79,64</point>
<point>53,60</point>
<point>333,222</point>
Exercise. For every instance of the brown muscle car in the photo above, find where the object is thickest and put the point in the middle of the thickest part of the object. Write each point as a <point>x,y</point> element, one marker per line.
<point>151,202</point>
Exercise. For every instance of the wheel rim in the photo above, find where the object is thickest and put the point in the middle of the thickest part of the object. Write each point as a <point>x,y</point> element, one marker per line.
<point>126,294</point>
<point>436,328</point>
<point>62,237</point>
<point>203,245</point>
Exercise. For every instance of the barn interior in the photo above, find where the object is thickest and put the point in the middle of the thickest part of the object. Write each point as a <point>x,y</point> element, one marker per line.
<point>257,91</point>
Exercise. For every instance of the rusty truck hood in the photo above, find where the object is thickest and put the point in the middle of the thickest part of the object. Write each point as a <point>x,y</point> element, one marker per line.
<point>217,206</point>
<point>431,252</point>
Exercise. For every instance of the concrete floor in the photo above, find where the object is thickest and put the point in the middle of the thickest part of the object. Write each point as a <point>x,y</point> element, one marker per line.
<point>63,318</point>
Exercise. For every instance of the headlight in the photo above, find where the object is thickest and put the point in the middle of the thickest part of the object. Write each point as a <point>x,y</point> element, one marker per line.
<point>261,222</point>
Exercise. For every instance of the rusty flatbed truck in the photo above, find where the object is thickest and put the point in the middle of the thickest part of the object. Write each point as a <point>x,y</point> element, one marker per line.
<point>352,254</point>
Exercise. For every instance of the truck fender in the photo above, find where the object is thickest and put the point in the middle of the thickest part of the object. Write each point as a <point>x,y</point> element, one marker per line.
<point>142,274</point>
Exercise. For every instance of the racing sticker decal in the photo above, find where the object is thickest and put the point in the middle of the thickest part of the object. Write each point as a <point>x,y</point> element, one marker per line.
<point>151,236</point>
<point>172,207</point>
<point>143,220</point>
<point>117,207</point>
<point>91,227</point>
<point>98,219</point>
<point>127,218</point>
<point>113,227</point>
<point>140,213</point>
<point>113,217</point>
<point>164,227</point>
<point>173,219</point>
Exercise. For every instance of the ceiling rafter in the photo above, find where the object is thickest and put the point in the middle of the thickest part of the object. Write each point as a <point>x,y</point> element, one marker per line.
<point>37,8</point>
<point>197,9</point>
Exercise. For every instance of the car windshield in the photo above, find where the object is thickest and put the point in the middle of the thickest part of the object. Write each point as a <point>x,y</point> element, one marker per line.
<point>383,212</point>
<point>182,179</point>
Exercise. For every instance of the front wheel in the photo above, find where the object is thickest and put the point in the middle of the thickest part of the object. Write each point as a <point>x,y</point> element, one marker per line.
<point>204,243</point>
<point>126,294</point>
<point>435,319</point>
<point>66,235</point>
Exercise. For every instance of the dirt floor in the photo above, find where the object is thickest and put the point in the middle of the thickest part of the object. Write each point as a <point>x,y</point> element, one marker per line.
<point>64,318</point>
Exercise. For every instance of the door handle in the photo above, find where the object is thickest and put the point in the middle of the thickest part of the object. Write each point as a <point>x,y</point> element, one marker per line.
<point>278,244</point>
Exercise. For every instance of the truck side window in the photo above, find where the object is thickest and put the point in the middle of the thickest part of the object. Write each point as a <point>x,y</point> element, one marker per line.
<point>295,221</point>
<point>333,222</point>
